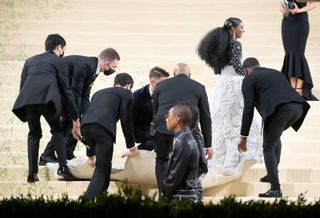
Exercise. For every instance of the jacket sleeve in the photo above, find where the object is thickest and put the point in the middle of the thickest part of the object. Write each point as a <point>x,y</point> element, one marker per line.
<point>23,74</point>
<point>178,165</point>
<point>77,86</point>
<point>205,119</point>
<point>85,99</point>
<point>65,90</point>
<point>248,110</point>
<point>126,120</point>
<point>155,104</point>
<point>236,56</point>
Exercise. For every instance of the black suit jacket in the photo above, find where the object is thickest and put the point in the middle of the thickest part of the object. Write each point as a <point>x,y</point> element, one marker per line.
<point>177,89</point>
<point>44,80</point>
<point>82,72</point>
<point>107,107</point>
<point>266,89</point>
<point>142,114</point>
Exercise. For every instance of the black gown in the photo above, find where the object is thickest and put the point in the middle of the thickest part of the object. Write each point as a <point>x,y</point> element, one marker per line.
<point>295,31</point>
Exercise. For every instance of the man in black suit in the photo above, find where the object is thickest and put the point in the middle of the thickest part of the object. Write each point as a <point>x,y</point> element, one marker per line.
<point>98,128</point>
<point>142,109</point>
<point>82,73</point>
<point>168,93</point>
<point>279,105</point>
<point>44,88</point>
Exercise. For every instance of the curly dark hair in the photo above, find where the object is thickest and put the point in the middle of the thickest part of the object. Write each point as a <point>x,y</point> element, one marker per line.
<point>214,46</point>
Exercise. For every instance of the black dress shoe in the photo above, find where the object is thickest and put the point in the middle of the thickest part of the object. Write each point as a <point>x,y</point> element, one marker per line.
<point>47,159</point>
<point>65,173</point>
<point>264,179</point>
<point>271,194</point>
<point>32,177</point>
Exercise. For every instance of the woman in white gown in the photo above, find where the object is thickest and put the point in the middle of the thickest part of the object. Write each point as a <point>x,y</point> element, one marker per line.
<point>223,53</point>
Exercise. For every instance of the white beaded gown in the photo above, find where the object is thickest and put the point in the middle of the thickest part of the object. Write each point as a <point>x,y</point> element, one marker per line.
<point>226,112</point>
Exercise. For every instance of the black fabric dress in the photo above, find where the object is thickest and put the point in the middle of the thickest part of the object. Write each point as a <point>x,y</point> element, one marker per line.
<point>295,31</point>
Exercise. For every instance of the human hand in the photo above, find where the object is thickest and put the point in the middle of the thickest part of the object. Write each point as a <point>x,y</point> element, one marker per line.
<point>209,153</point>
<point>295,10</point>
<point>242,146</point>
<point>131,152</point>
<point>76,130</point>
<point>91,161</point>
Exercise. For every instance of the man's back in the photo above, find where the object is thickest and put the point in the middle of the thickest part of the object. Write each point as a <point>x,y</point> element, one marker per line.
<point>178,89</point>
<point>107,107</point>
<point>267,89</point>
<point>43,80</point>
<point>271,89</point>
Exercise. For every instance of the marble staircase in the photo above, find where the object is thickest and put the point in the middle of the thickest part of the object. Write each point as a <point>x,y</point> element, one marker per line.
<point>149,33</point>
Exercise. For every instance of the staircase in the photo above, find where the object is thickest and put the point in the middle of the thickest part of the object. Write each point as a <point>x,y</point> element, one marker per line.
<point>148,33</point>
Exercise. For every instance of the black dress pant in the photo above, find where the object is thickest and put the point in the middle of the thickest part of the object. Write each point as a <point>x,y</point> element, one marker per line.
<point>284,116</point>
<point>71,142</point>
<point>102,142</point>
<point>33,114</point>
<point>163,148</point>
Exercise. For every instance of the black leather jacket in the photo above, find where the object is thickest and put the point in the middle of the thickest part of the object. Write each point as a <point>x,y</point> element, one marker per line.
<point>183,168</point>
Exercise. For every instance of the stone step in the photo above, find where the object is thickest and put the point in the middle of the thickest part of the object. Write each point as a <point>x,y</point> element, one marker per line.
<point>11,70</point>
<point>10,158</point>
<point>249,38</point>
<point>46,188</point>
<point>310,190</point>
<point>238,188</point>
<point>172,51</point>
<point>291,173</point>
<point>162,7</point>
<point>20,172</point>
<point>300,160</point>
<point>218,199</point>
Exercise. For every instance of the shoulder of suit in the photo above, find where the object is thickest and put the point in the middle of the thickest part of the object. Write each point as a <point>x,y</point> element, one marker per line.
<point>141,90</point>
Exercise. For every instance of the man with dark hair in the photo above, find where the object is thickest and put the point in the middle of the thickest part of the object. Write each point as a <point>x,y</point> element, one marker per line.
<point>98,128</point>
<point>279,105</point>
<point>168,93</point>
<point>181,180</point>
<point>142,109</point>
<point>82,73</point>
<point>44,90</point>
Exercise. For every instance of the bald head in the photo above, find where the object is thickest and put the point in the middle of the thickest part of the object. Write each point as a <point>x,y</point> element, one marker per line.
<point>181,68</point>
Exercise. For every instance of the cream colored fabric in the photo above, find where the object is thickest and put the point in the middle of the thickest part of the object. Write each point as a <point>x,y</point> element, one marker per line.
<point>141,170</point>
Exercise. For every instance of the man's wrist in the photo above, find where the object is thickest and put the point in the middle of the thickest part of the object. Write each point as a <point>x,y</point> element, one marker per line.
<point>243,136</point>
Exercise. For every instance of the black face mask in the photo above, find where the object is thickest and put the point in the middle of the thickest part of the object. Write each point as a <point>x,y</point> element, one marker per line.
<point>109,72</point>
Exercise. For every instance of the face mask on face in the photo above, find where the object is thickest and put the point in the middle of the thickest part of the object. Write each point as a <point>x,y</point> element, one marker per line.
<point>108,72</point>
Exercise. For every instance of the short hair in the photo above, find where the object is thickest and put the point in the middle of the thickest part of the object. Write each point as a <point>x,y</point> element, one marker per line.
<point>184,112</point>
<point>182,68</point>
<point>157,73</point>
<point>109,54</point>
<point>123,79</point>
<point>250,62</point>
<point>194,122</point>
<point>53,40</point>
